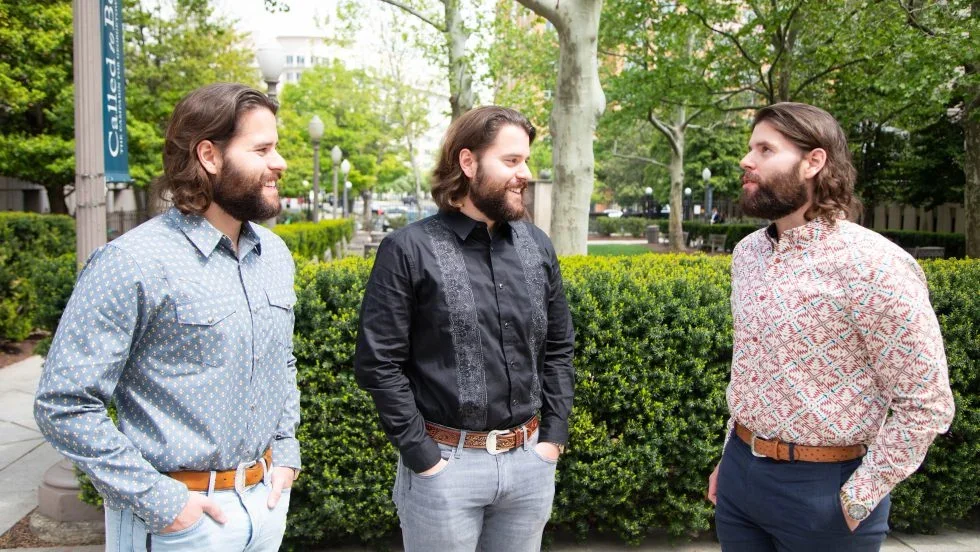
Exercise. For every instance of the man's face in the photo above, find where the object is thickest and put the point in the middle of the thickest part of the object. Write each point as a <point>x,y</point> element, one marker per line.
<point>245,186</point>
<point>502,176</point>
<point>772,182</point>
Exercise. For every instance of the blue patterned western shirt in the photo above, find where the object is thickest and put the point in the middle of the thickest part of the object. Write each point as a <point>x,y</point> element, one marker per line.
<point>192,343</point>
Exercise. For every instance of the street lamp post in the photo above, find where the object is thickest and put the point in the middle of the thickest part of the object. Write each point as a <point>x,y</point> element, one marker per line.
<point>316,133</point>
<point>271,61</point>
<point>687,202</point>
<point>335,156</point>
<point>708,191</point>
<point>345,170</point>
<point>647,203</point>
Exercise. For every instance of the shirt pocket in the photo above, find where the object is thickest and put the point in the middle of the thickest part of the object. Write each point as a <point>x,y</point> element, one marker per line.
<point>276,321</point>
<point>205,326</point>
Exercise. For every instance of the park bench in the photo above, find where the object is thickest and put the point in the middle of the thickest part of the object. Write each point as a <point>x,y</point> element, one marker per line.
<point>715,243</point>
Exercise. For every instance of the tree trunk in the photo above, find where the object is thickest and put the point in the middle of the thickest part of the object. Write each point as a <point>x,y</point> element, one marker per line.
<point>460,79</point>
<point>971,189</point>
<point>56,199</point>
<point>676,167</point>
<point>579,101</point>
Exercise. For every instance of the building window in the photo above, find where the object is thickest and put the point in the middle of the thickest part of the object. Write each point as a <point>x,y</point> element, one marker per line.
<point>301,61</point>
<point>289,60</point>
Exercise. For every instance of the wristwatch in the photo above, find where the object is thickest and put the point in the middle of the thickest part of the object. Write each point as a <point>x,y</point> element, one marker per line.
<point>855,510</point>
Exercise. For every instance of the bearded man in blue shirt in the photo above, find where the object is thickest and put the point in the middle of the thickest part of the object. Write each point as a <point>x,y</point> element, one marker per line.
<point>185,324</point>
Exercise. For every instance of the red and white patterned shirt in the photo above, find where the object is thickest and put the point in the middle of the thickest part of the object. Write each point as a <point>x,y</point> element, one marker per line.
<point>833,328</point>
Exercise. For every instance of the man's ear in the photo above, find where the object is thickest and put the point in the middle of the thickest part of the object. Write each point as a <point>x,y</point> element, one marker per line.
<point>468,162</point>
<point>209,156</point>
<point>815,161</point>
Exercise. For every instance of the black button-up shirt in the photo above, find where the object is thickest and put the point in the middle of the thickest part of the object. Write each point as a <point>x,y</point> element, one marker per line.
<point>466,328</point>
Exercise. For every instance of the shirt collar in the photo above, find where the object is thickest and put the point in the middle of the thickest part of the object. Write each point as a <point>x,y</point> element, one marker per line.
<point>463,225</point>
<point>206,237</point>
<point>812,232</point>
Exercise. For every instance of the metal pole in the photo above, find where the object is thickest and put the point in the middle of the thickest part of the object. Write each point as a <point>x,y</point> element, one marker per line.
<point>345,200</point>
<point>90,185</point>
<point>335,190</point>
<point>316,181</point>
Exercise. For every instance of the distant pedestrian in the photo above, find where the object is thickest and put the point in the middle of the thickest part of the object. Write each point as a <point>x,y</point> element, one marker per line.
<point>839,381</point>
<point>466,347</point>
<point>185,324</point>
<point>716,217</point>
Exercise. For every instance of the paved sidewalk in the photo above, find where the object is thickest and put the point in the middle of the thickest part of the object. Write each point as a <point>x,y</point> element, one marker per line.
<point>24,457</point>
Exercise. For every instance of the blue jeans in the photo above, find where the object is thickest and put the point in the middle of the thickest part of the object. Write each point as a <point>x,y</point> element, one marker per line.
<point>767,505</point>
<point>251,526</point>
<point>479,501</point>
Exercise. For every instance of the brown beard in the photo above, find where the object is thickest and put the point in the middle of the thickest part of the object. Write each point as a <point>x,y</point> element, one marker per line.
<point>777,196</point>
<point>491,200</point>
<point>241,196</point>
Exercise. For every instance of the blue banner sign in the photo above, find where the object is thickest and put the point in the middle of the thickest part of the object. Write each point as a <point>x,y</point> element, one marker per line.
<point>114,138</point>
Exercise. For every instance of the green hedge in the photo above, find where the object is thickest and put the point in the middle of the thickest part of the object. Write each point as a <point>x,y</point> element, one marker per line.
<point>734,232</point>
<point>607,226</point>
<point>311,239</point>
<point>653,350</point>
<point>37,271</point>
<point>652,357</point>
<point>955,244</point>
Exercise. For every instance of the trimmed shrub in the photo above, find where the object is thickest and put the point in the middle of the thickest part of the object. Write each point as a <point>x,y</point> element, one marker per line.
<point>37,271</point>
<point>734,232</point>
<point>652,359</point>
<point>652,356</point>
<point>955,244</point>
<point>308,240</point>
<point>633,226</point>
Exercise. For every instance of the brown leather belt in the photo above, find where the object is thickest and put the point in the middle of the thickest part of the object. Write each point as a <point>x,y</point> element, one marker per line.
<point>495,442</point>
<point>778,450</point>
<point>252,473</point>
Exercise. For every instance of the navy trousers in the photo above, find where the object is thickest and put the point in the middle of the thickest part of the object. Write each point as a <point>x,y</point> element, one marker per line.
<point>768,505</point>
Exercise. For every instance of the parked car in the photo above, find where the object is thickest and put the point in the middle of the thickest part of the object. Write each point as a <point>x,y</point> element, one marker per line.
<point>410,199</point>
<point>613,213</point>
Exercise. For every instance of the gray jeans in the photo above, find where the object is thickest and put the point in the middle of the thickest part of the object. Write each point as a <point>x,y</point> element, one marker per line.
<point>479,501</point>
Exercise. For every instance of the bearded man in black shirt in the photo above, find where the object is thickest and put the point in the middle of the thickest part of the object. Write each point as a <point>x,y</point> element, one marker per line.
<point>466,346</point>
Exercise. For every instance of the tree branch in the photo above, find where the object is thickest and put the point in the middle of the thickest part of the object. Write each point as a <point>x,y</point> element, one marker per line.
<point>408,9</point>
<point>826,72</point>
<point>545,10</point>
<point>913,22</point>
<point>731,37</point>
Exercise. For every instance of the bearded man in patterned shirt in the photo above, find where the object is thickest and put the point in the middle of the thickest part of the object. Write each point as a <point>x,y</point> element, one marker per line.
<point>839,381</point>
<point>185,323</point>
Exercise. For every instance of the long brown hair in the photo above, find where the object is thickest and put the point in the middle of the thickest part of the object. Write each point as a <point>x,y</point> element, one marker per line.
<point>474,130</point>
<point>212,113</point>
<point>809,128</point>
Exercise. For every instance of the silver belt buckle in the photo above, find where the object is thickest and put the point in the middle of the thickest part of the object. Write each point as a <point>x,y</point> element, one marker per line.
<point>492,441</point>
<point>754,453</point>
<point>240,475</point>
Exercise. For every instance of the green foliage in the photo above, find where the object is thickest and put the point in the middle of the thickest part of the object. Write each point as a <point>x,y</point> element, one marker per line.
<point>611,250</point>
<point>37,271</point>
<point>349,102</point>
<point>36,94</point>
<point>308,240</point>
<point>633,226</point>
<point>735,232</point>
<point>955,244</point>
<point>167,56</point>
<point>397,222</point>
<point>652,355</point>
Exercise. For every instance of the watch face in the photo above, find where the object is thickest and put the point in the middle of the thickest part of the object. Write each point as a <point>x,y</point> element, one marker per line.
<point>857,512</point>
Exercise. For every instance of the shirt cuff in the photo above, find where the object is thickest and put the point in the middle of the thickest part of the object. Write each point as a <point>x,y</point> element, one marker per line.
<point>161,505</point>
<point>422,456</point>
<point>860,488</point>
<point>285,452</point>
<point>553,430</point>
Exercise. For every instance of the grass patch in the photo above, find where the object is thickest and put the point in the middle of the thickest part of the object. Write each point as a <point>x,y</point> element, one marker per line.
<point>608,250</point>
